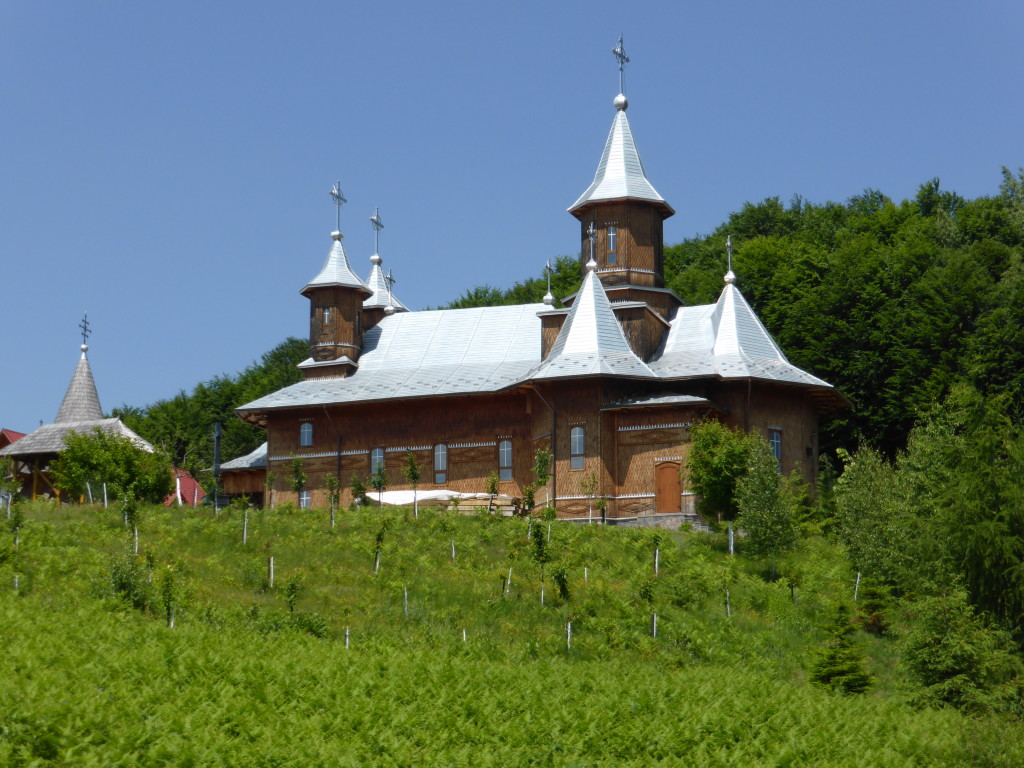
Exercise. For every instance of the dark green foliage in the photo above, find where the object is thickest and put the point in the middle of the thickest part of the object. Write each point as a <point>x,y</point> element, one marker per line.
<point>955,658</point>
<point>100,457</point>
<point>565,280</point>
<point>874,604</point>
<point>840,665</point>
<point>129,581</point>
<point>560,576</point>
<point>292,591</point>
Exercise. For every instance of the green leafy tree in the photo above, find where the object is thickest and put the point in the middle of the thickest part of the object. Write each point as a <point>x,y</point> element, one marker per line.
<point>297,481</point>
<point>718,458</point>
<point>542,469</point>
<point>268,485</point>
<point>358,487</point>
<point>411,473</point>
<point>379,482</point>
<point>764,514</point>
<point>491,488</point>
<point>116,460</point>
<point>841,664</point>
<point>333,486</point>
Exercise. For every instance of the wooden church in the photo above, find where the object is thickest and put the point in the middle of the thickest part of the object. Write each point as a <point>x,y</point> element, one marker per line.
<point>610,384</point>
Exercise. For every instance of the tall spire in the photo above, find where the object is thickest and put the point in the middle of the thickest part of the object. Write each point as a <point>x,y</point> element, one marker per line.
<point>378,282</point>
<point>336,271</point>
<point>620,173</point>
<point>81,401</point>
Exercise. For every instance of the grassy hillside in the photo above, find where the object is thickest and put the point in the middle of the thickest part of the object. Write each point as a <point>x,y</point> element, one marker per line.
<point>90,673</point>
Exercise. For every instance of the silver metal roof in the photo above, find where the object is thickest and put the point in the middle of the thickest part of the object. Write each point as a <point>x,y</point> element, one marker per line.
<point>49,438</point>
<point>727,340</point>
<point>422,354</point>
<point>336,270</point>
<point>81,402</point>
<point>620,173</point>
<point>591,341</point>
<point>649,401</point>
<point>255,460</point>
<point>381,297</point>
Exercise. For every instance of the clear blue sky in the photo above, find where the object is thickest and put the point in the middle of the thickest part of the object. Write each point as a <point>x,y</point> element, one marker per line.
<point>166,166</point>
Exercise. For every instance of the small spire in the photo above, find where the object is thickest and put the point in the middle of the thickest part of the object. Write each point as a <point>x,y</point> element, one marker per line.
<point>592,236</point>
<point>621,102</point>
<point>730,277</point>
<point>549,299</point>
<point>339,200</point>
<point>378,225</point>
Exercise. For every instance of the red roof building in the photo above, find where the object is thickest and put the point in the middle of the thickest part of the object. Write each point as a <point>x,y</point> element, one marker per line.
<point>191,491</point>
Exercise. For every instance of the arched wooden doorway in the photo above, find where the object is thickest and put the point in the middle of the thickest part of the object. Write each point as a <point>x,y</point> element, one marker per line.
<point>668,488</point>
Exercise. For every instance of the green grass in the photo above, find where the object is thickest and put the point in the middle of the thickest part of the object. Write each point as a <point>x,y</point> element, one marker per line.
<point>85,679</point>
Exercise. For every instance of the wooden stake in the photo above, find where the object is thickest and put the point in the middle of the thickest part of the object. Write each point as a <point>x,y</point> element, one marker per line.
<point>508,584</point>
<point>856,587</point>
<point>728,607</point>
<point>586,577</point>
<point>654,625</point>
<point>657,553</point>
<point>542,594</point>
<point>568,635</point>
<point>453,550</point>
<point>15,582</point>
<point>346,638</point>
<point>405,601</point>
<point>731,539</point>
<point>376,562</point>
<point>135,535</point>
<point>270,571</point>
<point>104,495</point>
<point>245,527</point>
<point>463,634</point>
<point>88,489</point>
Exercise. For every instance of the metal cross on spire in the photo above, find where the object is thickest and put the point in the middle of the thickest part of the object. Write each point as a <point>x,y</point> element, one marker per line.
<point>549,270</point>
<point>84,325</point>
<point>378,225</point>
<point>621,57</point>
<point>592,236</point>
<point>728,250</point>
<point>339,200</point>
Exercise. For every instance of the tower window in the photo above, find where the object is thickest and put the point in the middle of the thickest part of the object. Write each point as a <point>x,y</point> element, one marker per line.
<point>326,320</point>
<point>440,463</point>
<point>576,447</point>
<point>613,243</point>
<point>376,460</point>
<point>505,460</point>
<point>305,434</point>
<point>775,441</point>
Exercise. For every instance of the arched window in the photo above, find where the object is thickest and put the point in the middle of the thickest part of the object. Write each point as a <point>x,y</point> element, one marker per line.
<point>576,448</point>
<point>376,460</point>
<point>440,463</point>
<point>305,434</point>
<point>304,500</point>
<point>505,460</point>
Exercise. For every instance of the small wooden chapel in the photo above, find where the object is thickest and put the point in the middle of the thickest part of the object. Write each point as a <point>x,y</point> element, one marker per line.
<point>609,384</point>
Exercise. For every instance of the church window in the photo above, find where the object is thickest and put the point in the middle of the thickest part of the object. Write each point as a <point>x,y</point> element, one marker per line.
<point>613,243</point>
<point>576,447</point>
<point>376,460</point>
<point>327,319</point>
<point>775,441</point>
<point>304,500</point>
<point>305,434</point>
<point>505,460</point>
<point>440,463</point>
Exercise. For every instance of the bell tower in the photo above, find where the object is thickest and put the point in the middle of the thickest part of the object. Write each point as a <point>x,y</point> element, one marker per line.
<point>336,298</point>
<point>622,217</point>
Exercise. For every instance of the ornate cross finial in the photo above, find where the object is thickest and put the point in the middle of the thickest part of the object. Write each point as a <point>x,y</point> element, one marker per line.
<point>84,325</point>
<point>621,57</point>
<point>592,236</point>
<point>390,281</point>
<point>730,278</point>
<point>339,200</point>
<point>378,225</point>
<point>549,299</point>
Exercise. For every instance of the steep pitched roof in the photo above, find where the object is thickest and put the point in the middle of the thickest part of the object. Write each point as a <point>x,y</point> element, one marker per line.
<point>336,271</point>
<point>591,340</point>
<point>381,296</point>
<point>725,339</point>
<point>81,403</point>
<point>620,173</point>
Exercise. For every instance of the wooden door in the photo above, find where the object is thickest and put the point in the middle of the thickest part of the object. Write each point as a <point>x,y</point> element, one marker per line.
<point>668,488</point>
